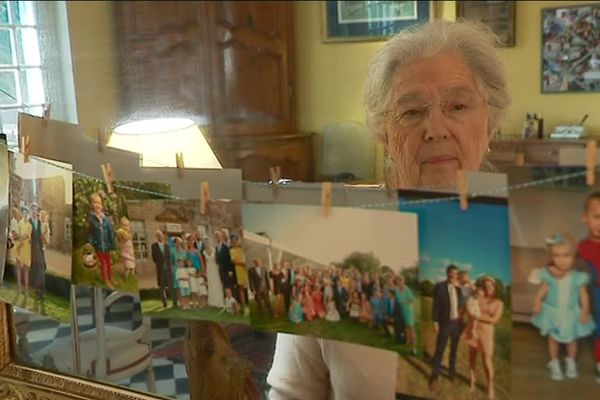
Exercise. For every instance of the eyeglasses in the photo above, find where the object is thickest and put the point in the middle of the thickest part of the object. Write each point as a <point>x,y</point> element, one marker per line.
<point>413,111</point>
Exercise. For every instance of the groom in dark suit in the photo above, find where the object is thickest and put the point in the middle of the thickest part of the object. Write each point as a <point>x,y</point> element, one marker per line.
<point>223,259</point>
<point>161,255</point>
<point>448,308</point>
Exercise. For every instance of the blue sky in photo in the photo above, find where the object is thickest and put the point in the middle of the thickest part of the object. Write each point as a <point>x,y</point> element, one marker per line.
<point>476,239</point>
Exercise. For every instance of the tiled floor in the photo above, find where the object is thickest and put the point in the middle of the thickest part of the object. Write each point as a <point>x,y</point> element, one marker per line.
<point>166,337</point>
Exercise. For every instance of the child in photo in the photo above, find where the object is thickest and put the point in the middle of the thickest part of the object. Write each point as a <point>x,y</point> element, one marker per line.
<point>203,289</point>
<point>102,238</point>
<point>389,305</point>
<point>354,306</point>
<point>589,250</point>
<point>332,311</point>
<point>231,304</point>
<point>466,286</point>
<point>296,315</point>
<point>194,283</point>
<point>474,311</point>
<point>45,225</point>
<point>308,304</point>
<point>365,315</point>
<point>183,279</point>
<point>378,308</point>
<point>318,302</point>
<point>126,246</point>
<point>561,306</point>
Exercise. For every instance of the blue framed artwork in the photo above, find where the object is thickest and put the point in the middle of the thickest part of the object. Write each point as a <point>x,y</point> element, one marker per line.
<point>346,21</point>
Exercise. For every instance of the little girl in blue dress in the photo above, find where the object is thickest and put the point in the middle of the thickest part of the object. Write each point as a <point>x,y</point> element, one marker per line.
<point>561,308</point>
<point>296,313</point>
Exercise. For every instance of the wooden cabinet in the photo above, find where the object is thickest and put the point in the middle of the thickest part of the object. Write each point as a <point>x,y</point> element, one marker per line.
<point>505,152</point>
<point>229,64</point>
<point>251,67</point>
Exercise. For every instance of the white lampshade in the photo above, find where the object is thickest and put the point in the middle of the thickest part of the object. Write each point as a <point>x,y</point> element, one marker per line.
<point>158,140</point>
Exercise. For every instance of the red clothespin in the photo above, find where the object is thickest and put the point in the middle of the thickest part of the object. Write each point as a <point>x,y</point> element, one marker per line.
<point>591,151</point>
<point>109,177</point>
<point>204,197</point>
<point>275,173</point>
<point>179,163</point>
<point>461,183</point>
<point>26,147</point>
<point>326,198</point>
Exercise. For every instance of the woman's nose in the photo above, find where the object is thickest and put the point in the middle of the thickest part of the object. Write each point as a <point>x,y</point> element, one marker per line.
<point>435,125</point>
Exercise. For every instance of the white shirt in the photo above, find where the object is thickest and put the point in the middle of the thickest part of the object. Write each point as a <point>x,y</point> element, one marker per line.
<point>453,301</point>
<point>318,369</point>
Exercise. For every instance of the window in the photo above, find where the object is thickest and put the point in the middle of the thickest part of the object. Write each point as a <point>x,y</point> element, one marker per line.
<point>68,230</point>
<point>140,243</point>
<point>35,63</point>
<point>21,72</point>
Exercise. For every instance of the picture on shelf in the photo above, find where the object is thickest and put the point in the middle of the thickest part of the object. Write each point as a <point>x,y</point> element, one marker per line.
<point>351,276</point>
<point>105,244</point>
<point>465,285</point>
<point>555,239</point>
<point>570,50</point>
<point>191,266</point>
<point>37,274</point>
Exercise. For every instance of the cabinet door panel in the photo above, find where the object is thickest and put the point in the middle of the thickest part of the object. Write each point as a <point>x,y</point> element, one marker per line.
<point>251,62</point>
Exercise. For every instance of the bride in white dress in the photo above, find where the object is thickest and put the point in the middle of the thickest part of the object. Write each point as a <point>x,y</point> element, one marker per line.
<point>215,287</point>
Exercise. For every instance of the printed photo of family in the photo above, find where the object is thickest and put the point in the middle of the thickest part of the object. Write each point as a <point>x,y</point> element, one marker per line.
<point>190,266</point>
<point>556,301</point>
<point>465,299</point>
<point>104,253</point>
<point>37,274</point>
<point>334,281</point>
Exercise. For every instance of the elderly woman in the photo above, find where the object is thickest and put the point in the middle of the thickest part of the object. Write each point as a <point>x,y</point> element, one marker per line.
<point>434,96</point>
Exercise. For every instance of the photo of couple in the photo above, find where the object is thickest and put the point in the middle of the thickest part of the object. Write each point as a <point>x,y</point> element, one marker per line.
<point>556,300</point>
<point>190,265</point>
<point>465,300</point>
<point>357,290</point>
<point>37,272</point>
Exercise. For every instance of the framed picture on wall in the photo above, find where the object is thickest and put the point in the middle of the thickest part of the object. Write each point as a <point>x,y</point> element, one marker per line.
<point>498,15</point>
<point>352,21</point>
<point>571,49</point>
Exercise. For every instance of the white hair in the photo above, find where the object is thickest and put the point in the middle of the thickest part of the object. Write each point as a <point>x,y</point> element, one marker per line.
<point>474,43</point>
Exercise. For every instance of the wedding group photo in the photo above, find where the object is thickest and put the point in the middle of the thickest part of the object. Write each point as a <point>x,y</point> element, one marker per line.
<point>190,265</point>
<point>362,289</point>
<point>37,272</point>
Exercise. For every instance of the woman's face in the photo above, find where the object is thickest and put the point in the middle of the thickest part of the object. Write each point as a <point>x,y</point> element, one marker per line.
<point>438,122</point>
<point>96,204</point>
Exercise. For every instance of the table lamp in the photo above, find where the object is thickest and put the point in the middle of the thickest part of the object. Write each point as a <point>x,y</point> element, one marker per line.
<point>159,140</point>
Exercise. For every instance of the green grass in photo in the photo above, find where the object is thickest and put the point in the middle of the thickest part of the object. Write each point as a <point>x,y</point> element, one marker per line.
<point>154,308</point>
<point>93,276</point>
<point>55,307</point>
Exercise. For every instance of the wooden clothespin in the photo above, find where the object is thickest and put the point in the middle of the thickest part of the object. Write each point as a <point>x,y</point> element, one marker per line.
<point>109,177</point>
<point>179,163</point>
<point>102,139</point>
<point>46,112</point>
<point>520,159</point>
<point>591,151</point>
<point>26,147</point>
<point>204,197</point>
<point>326,198</point>
<point>461,183</point>
<point>275,173</point>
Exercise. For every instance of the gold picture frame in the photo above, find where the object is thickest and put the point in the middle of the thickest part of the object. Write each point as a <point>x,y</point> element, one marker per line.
<point>18,382</point>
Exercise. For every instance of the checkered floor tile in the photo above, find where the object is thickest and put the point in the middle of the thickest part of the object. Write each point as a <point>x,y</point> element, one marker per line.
<point>169,371</point>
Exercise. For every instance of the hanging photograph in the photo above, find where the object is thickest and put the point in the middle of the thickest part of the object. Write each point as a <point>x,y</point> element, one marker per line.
<point>4,214</point>
<point>189,265</point>
<point>571,49</point>
<point>351,276</point>
<point>37,274</point>
<point>555,246</point>
<point>345,21</point>
<point>104,246</point>
<point>498,15</point>
<point>465,285</point>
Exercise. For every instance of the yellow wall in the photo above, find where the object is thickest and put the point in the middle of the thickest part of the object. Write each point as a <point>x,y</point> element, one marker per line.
<point>329,76</point>
<point>94,52</point>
